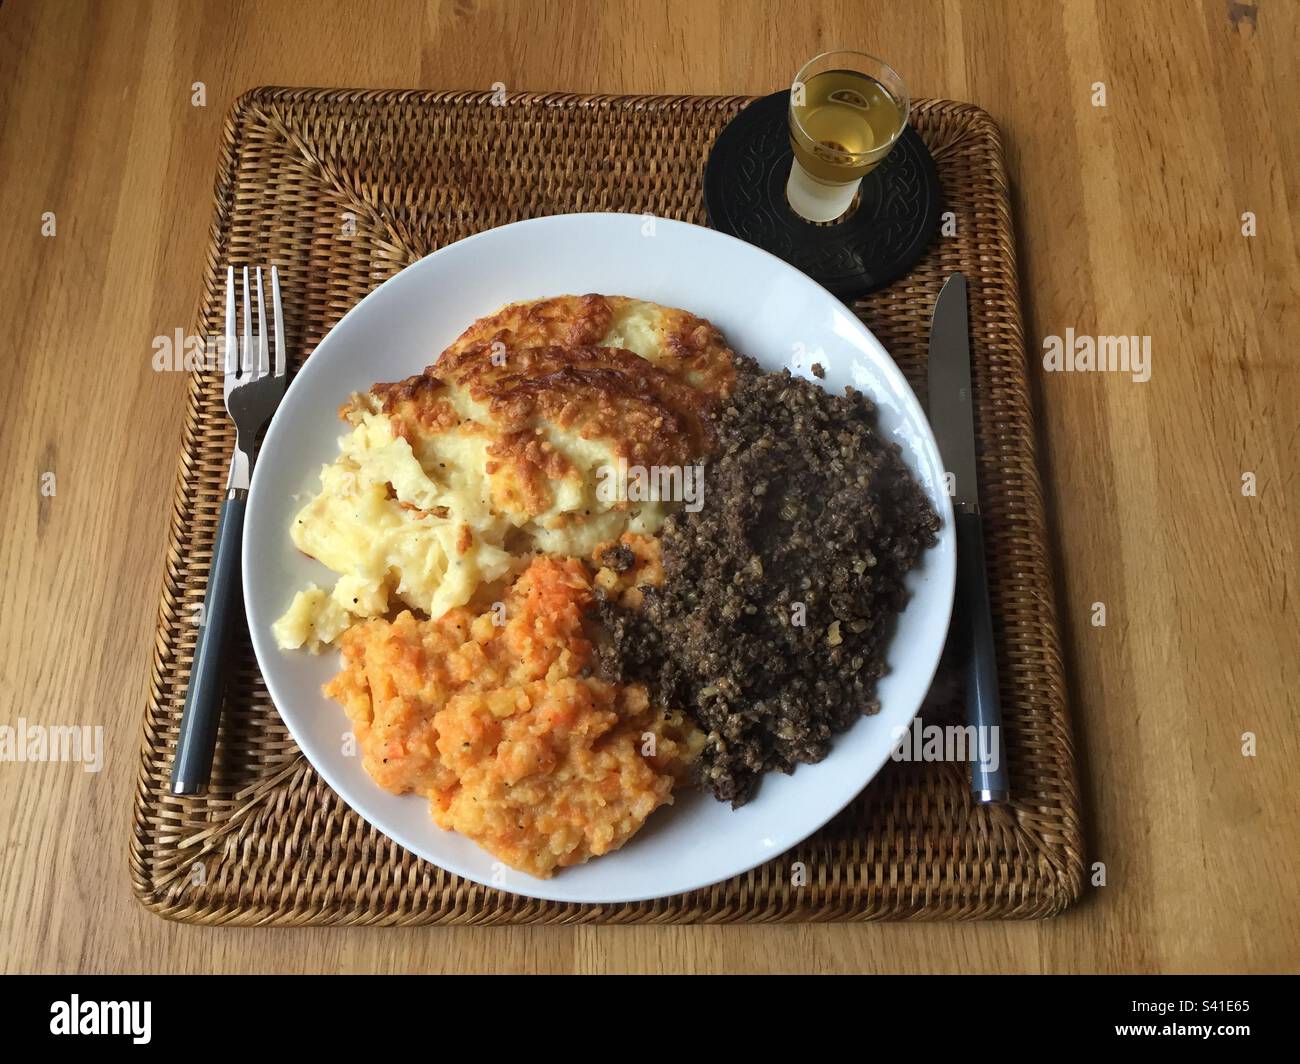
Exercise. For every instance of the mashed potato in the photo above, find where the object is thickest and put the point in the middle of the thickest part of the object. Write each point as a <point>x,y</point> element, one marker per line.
<point>388,529</point>
<point>449,481</point>
<point>504,730</point>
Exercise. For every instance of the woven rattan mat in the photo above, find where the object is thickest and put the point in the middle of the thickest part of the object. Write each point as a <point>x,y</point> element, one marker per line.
<point>343,189</point>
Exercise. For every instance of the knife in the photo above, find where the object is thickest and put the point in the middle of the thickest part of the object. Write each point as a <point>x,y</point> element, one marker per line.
<point>952,416</point>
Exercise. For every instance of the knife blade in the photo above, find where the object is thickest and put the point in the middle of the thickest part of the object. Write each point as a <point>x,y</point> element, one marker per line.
<point>952,412</point>
<point>952,416</point>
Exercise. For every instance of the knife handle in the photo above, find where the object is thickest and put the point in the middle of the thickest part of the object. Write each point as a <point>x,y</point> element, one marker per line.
<point>983,705</point>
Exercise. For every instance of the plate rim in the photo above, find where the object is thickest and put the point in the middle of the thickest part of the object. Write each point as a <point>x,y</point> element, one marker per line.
<point>535,888</point>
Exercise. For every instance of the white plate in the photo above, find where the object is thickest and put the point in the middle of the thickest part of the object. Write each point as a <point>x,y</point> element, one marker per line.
<point>766,309</point>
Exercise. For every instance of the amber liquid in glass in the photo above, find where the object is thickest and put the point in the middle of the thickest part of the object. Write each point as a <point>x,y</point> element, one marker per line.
<point>846,124</point>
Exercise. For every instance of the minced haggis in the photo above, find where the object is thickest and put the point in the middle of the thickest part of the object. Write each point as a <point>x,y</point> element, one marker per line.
<point>780,594</point>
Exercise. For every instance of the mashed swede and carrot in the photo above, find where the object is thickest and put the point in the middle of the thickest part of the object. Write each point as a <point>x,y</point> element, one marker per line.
<point>497,720</point>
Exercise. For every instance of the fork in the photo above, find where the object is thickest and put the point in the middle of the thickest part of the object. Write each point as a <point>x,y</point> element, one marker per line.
<point>252,392</point>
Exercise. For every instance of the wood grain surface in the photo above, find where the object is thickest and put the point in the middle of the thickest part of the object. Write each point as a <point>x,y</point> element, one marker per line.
<point>1130,218</point>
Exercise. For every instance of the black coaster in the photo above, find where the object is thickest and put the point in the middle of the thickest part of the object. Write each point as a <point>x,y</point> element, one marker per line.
<point>898,204</point>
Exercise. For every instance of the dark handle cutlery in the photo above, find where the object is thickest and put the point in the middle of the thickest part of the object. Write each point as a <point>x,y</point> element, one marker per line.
<point>253,389</point>
<point>952,416</point>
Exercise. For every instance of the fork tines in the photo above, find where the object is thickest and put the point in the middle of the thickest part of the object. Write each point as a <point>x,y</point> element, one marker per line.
<point>252,390</point>
<point>248,358</point>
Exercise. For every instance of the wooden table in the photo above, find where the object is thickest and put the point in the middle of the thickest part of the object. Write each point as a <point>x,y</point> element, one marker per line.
<point>1130,219</point>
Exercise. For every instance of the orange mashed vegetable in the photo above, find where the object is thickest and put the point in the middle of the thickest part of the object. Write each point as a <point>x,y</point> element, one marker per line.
<point>503,729</point>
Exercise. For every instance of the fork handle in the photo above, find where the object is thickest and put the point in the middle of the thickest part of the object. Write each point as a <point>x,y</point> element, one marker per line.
<point>192,767</point>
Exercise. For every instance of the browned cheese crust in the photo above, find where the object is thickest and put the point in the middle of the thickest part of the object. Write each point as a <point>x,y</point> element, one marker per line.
<point>690,348</point>
<point>536,365</point>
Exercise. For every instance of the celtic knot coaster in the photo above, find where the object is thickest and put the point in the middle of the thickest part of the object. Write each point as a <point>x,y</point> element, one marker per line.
<point>894,218</point>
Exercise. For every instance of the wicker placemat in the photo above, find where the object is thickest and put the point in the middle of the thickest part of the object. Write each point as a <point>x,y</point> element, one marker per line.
<point>343,189</point>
